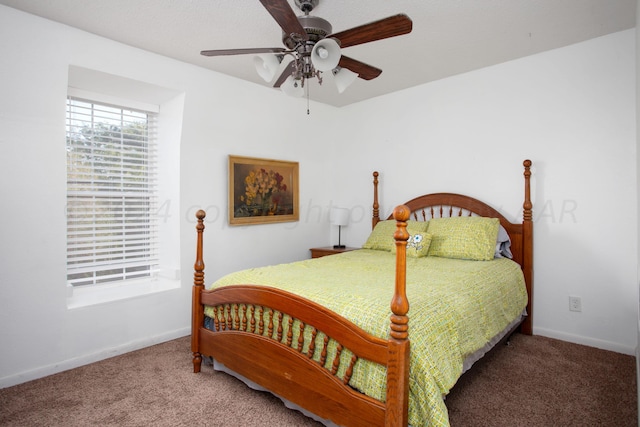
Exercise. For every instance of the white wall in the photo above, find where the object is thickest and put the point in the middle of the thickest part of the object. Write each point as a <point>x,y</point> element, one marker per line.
<point>222,116</point>
<point>571,111</point>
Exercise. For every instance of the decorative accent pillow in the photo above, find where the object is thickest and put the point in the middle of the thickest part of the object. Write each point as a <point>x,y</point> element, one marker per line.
<point>381,238</point>
<point>417,245</point>
<point>467,237</point>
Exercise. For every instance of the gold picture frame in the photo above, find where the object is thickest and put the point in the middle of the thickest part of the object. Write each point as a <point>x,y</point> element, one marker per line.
<point>262,191</point>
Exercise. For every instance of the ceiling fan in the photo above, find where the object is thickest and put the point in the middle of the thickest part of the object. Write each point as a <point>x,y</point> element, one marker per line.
<point>314,48</point>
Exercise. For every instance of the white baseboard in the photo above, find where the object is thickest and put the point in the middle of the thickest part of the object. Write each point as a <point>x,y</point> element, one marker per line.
<point>591,342</point>
<point>91,358</point>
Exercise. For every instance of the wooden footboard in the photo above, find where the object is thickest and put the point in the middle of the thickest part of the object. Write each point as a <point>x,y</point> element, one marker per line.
<point>296,348</point>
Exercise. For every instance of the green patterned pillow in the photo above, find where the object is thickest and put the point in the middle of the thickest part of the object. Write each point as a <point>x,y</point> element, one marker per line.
<point>470,237</point>
<point>381,238</point>
<point>417,245</point>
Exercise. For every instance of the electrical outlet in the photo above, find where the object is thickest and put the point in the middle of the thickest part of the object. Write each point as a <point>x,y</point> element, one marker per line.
<point>575,304</point>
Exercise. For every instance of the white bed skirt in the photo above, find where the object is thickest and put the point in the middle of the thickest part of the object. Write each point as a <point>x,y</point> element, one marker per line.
<point>220,367</point>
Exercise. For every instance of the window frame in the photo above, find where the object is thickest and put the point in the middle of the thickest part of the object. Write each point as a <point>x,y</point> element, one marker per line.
<point>138,253</point>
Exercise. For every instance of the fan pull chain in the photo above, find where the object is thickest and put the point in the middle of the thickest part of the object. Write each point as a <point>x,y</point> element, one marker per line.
<point>308,89</point>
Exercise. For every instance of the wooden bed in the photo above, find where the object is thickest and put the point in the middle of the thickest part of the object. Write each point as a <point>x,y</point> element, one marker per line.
<point>275,359</point>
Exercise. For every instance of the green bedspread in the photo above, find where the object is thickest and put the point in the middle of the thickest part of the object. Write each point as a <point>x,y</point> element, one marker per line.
<point>456,306</point>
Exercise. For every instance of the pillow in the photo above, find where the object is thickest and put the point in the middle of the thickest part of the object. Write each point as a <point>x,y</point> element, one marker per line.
<point>381,238</point>
<point>417,245</point>
<point>503,244</point>
<point>466,237</point>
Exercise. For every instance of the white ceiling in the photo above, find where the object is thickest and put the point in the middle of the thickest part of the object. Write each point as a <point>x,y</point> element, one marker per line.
<point>449,36</point>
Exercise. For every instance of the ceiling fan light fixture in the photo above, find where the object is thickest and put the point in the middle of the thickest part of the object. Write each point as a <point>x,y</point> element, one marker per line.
<point>266,66</point>
<point>325,54</point>
<point>293,87</point>
<point>315,48</point>
<point>343,78</point>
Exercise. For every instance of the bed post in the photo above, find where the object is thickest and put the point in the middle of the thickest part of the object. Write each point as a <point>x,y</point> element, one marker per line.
<point>397,411</point>
<point>527,250</point>
<point>376,206</point>
<point>197,309</point>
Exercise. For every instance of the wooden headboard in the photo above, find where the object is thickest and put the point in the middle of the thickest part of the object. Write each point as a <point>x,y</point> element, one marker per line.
<point>440,205</point>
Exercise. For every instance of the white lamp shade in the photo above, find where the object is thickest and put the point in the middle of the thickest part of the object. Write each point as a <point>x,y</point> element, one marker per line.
<point>266,66</point>
<point>325,55</point>
<point>339,216</point>
<point>292,87</point>
<point>343,78</point>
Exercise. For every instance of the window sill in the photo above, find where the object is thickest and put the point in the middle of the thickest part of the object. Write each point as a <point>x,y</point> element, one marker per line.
<point>93,295</point>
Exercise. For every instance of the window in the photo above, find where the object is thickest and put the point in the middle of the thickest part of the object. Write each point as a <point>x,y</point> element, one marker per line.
<point>111,193</point>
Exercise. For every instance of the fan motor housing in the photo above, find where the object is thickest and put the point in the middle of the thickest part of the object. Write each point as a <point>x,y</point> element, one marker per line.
<point>315,27</point>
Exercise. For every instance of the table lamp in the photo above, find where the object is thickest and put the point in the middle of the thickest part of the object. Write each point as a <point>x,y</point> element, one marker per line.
<point>339,217</point>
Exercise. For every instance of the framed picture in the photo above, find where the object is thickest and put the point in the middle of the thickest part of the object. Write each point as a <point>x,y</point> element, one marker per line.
<point>262,191</point>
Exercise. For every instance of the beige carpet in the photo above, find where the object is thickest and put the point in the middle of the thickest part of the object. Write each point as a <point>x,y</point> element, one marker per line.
<point>535,381</point>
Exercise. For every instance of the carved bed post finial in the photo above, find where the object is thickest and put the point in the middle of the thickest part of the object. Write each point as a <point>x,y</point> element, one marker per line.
<point>399,303</point>
<point>198,275</point>
<point>397,412</point>
<point>527,213</point>
<point>527,250</point>
<point>197,309</point>
<point>376,206</point>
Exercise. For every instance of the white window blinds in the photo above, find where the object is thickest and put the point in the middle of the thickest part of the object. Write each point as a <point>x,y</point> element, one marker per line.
<point>111,193</point>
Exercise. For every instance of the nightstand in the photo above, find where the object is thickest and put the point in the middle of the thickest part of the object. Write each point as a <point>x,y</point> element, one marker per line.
<point>328,250</point>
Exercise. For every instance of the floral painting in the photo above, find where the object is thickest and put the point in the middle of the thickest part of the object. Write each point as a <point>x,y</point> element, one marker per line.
<point>262,190</point>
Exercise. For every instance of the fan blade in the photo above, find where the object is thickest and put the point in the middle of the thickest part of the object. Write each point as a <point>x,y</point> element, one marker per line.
<point>285,74</point>
<point>365,71</point>
<point>392,26</point>
<point>221,52</point>
<point>286,18</point>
